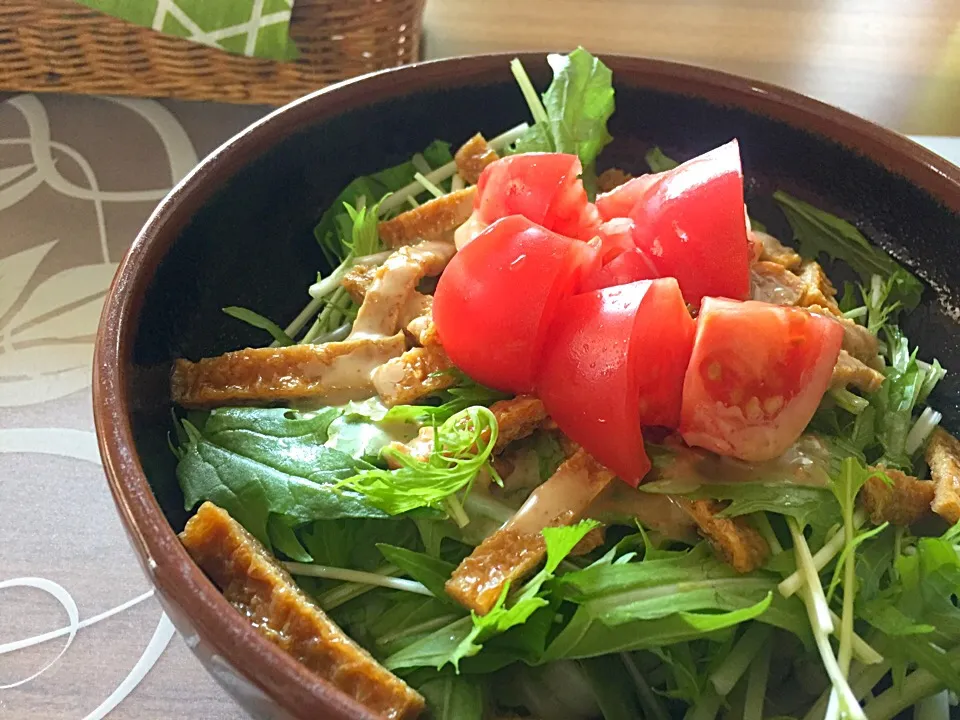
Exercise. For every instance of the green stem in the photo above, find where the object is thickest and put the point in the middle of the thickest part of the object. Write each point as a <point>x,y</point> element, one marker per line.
<point>652,707</point>
<point>850,402</point>
<point>757,684</point>
<point>740,657</point>
<point>707,706</point>
<point>529,92</point>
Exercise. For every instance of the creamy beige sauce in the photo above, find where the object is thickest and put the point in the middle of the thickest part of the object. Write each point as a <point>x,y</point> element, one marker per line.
<point>395,283</point>
<point>621,504</point>
<point>567,492</point>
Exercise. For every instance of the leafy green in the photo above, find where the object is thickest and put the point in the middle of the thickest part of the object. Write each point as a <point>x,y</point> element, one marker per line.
<point>575,109</point>
<point>818,232</point>
<point>896,399</point>
<point>451,697</point>
<point>285,540</point>
<point>684,582</point>
<point>559,542</point>
<point>429,571</point>
<point>585,636</point>
<point>612,687</point>
<point>335,230</point>
<point>466,393</point>
<point>463,445</point>
<point>362,430</point>
<point>255,462</point>
<point>550,454</point>
<point>802,502</point>
<point>658,162</point>
<point>259,321</point>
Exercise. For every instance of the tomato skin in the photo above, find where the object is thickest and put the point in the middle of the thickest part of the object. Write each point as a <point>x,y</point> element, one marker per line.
<point>494,302</point>
<point>756,376</point>
<point>588,382</point>
<point>626,268</point>
<point>620,201</point>
<point>614,362</point>
<point>542,187</point>
<point>691,224</point>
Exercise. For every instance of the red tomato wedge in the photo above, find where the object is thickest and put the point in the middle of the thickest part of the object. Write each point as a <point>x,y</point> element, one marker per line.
<point>497,298</point>
<point>625,268</point>
<point>616,237</point>
<point>757,375</point>
<point>542,187</point>
<point>614,361</point>
<point>691,224</point>
<point>620,201</point>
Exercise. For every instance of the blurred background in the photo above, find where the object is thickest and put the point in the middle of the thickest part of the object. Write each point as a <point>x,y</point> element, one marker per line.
<point>896,62</point>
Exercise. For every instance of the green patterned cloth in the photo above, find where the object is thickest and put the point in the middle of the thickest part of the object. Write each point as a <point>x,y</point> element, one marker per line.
<point>260,28</point>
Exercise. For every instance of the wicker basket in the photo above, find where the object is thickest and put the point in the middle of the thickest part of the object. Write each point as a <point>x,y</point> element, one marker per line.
<point>62,46</point>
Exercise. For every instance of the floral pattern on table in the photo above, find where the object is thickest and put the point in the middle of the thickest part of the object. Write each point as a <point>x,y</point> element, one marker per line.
<point>79,628</point>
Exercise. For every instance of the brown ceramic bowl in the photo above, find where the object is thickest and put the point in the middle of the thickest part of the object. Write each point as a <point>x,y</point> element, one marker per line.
<point>237,231</point>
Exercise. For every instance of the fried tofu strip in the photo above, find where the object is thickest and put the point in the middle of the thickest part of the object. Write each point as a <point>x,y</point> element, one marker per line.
<point>737,542</point>
<point>358,280</point>
<point>416,315</point>
<point>774,251</point>
<point>332,372</point>
<point>434,220</point>
<point>773,283</point>
<point>903,501</point>
<point>817,289</point>
<point>943,457</point>
<point>517,418</point>
<point>473,156</point>
<point>263,592</point>
<point>612,178</point>
<point>395,282</point>
<point>850,372</point>
<point>514,551</point>
<point>415,374</point>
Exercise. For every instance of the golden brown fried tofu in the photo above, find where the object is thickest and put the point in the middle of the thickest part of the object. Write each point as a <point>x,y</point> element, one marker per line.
<point>817,289</point>
<point>857,340</point>
<point>394,284</point>
<point>517,418</point>
<point>506,556</point>
<point>358,280</point>
<point>262,591</point>
<point>902,501</point>
<point>413,375</point>
<point>735,540</point>
<point>333,372</point>
<point>773,250</point>
<point>434,220</point>
<point>612,178</point>
<point>943,457</point>
<point>417,319</point>
<point>473,156</point>
<point>514,551</point>
<point>773,283</point>
<point>850,372</point>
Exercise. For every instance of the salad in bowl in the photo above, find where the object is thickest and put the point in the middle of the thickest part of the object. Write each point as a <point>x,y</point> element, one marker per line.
<point>555,443</point>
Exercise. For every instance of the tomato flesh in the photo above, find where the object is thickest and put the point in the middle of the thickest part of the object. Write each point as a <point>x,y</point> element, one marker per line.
<point>620,201</point>
<point>626,268</point>
<point>692,226</point>
<point>615,362</point>
<point>756,376</point>
<point>543,187</point>
<point>495,300</point>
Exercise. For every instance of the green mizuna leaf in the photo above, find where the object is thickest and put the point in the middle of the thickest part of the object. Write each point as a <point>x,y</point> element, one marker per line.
<point>819,232</point>
<point>463,445</point>
<point>256,462</point>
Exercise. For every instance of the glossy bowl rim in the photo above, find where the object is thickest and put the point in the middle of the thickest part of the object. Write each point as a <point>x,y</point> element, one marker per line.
<point>166,562</point>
